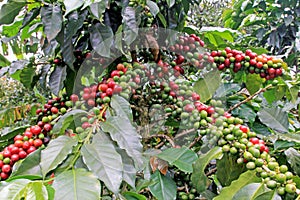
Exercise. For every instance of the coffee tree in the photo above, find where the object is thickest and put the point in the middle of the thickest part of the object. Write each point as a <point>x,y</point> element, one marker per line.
<point>144,107</point>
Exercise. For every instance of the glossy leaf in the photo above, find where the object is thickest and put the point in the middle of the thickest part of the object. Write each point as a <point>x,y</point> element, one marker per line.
<point>28,166</point>
<point>153,7</point>
<point>253,83</point>
<point>56,152</point>
<point>52,20</point>
<point>208,85</point>
<point>250,191</point>
<point>271,195</point>
<point>170,3</point>
<point>10,10</point>
<point>57,78</point>
<point>133,196</point>
<point>244,179</point>
<point>126,137</point>
<point>104,161</point>
<point>17,65</point>
<point>36,191</point>
<point>129,171</point>
<point>228,169</point>
<point>8,133</point>
<point>27,77</point>
<point>199,179</point>
<point>31,15</point>
<point>227,89</point>
<point>274,118</point>
<point>76,184</point>
<point>163,187</point>
<point>14,190</point>
<point>293,158</point>
<point>130,25</point>
<point>64,122</point>
<point>72,5</point>
<point>101,37</point>
<point>97,9</point>
<point>183,158</point>
<point>121,107</point>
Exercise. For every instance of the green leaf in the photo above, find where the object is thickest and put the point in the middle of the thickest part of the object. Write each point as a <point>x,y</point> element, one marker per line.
<point>57,78</point>
<point>293,158</point>
<point>250,191</point>
<point>52,20</point>
<point>10,10</point>
<point>36,191</point>
<point>101,38</point>
<point>170,3</point>
<point>208,85</point>
<point>274,118</point>
<point>260,128</point>
<point>183,158</point>
<point>56,152</point>
<point>227,89</point>
<point>253,83</point>
<point>163,187</point>
<point>17,65</point>
<point>291,137</point>
<point>64,122</point>
<point>153,7</point>
<point>199,179</point>
<point>228,169</point>
<point>104,161</point>
<point>270,195</point>
<point>12,29</point>
<point>28,166</point>
<point>72,5</point>
<point>76,184</point>
<point>130,28</point>
<point>121,131</point>
<point>274,94</point>
<point>97,9</point>
<point>27,77</point>
<point>292,92</point>
<point>31,15</point>
<point>121,106</point>
<point>8,133</point>
<point>244,179</point>
<point>162,19</point>
<point>14,190</point>
<point>282,144</point>
<point>245,112</point>
<point>133,196</point>
<point>129,171</point>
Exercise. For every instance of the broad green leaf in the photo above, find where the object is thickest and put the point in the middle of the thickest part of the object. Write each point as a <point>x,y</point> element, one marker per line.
<point>8,133</point>
<point>274,94</point>
<point>199,179</point>
<point>52,19</point>
<point>245,112</point>
<point>170,3</point>
<point>163,187</point>
<point>31,15</point>
<point>271,195</point>
<point>274,118</point>
<point>291,137</point>
<point>162,19</point>
<point>50,191</point>
<point>28,166</point>
<point>244,179</point>
<point>228,169</point>
<point>283,144</point>
<point>250,191</point>
<point>10,10</point>
<point>208,85</point>
<point>57,78</point>
<point>292,92</point>
<point>14,190</point>
<point>104,161</point>
<point>129,171</point>
<point>130,27</point>
<point>293,158</point>
<point>121,106</point>
<point>36,191</point>
<point>97,9</point>
<point>101,38</point>
<point>260,128</point>
<point>126,136</point>
<point>76,184</point>
<point>27,77</point>
<point>56,152</point>
<point>64,122</point>
<point>253,83</point>
<point>133,196</point>
<point>183,158</point>
<point>227,89</point>
<point>72,5</point>
<point>153,7</point>
<point>17,65</point>
<point>12,29</point>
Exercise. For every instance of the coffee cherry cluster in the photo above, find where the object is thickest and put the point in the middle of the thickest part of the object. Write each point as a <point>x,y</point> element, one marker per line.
<point>186,191</point>
<point>267,67</point>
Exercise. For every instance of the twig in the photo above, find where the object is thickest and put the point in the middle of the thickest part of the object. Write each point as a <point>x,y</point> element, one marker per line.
<point>249,98</point>
<point>195,141</point>
<point>211,171</point>
<point>169,139</point>
<point>183,133</point>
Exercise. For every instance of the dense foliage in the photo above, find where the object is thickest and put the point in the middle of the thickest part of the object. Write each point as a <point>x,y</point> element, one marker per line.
<point>144,107</point>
